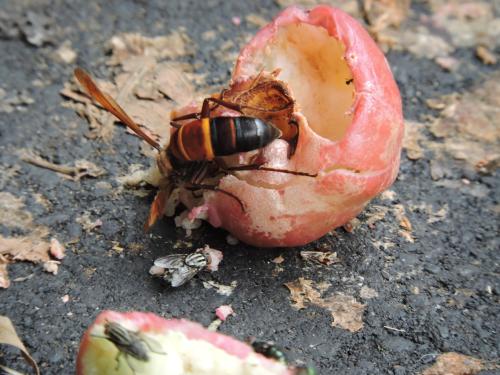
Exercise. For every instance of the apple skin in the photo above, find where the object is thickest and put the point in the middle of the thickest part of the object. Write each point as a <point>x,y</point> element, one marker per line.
<point>93,360</point>
<point>282,210</point>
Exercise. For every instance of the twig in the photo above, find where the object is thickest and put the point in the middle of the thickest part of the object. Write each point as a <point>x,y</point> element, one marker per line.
<point>394,329</point>
<point>82,167</point>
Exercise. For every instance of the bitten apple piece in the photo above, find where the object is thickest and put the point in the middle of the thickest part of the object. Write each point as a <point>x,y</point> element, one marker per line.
<point>160,346</point>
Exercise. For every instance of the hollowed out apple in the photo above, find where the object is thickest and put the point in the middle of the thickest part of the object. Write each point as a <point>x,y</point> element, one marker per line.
<point>348,108</point>
<point>174,347</point>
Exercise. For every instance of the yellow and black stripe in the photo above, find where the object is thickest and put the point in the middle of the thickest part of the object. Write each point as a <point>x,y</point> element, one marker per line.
<point>221,136</point>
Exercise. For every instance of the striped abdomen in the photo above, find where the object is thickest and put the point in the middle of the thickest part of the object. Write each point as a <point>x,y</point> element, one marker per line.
<point>221,136</point>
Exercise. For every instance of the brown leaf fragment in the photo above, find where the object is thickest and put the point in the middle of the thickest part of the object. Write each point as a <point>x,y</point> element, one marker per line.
<point>12,213</point>
<point>467,23</point>
<point>467,127</point>
<point>302,292</point>
<point>411,141</point>
<point>320,257</point>
<point>455,364</point>
<point>8,336</point>
<point>4,276</point>
<point>381,14</point>
<point>376,213</point>
<point>87,223</point>
<point>486,56</point>
<point>30,248</point>
<point>346,312</point>
<point>173,80</point>
<point>127,45</point>
<point>384,18</point>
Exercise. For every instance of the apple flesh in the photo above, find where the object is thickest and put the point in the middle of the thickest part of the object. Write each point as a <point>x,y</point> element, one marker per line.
<point>174,347</point>
<point>348,109</point>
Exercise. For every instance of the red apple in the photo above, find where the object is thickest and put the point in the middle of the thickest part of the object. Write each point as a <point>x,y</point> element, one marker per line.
<point>174,347</point>
<point>348,108</point>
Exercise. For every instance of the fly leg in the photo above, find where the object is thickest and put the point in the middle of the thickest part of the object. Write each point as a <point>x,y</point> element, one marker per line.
<point>127,358</point>
<point>259,167</point>
<point>293,142</point>
<point>216,189</point>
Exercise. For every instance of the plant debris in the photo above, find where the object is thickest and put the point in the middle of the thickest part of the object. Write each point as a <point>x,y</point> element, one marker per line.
<point>151,83</point>
<point>31,247</point>
<point>82,168</point>
<point>326,258</point>
<point>14,101</point>
<point>347,313</point>
<point>411,141</point>
<point>8,336</point>
<point>455,364</point>
<point>224,290</point>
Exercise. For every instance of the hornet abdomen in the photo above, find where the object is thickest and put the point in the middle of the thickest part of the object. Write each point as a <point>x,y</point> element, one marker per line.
<point>231,135</point>
<point>221,136</point>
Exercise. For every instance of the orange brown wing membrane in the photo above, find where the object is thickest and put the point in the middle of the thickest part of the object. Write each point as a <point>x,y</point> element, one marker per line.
<point>157,208</point>
<point>110,105</point>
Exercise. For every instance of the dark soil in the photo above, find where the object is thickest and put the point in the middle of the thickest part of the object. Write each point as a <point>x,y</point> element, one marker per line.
<point>453,262</point>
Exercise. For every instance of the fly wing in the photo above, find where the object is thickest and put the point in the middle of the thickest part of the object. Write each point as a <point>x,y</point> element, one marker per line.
<point>153,345</point>
<point>172,261</point>
<point>182,275</point>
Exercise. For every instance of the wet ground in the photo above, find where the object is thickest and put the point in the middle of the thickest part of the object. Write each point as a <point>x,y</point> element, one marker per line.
<point>437,294</point>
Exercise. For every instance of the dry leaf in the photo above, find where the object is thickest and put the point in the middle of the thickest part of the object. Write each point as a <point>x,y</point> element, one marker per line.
<point>469,127</point>
<point>148,88</point>
<point>12,213</point>
<point>375,213</point>
<point>455,364</point>
<point>4,275</point>
<point>467,23</point>
<point>302,293</point>
<point>411,141</point>
<point>9,336</point>
<point>384,14</point>
<point>125,46</point>
<point>346,312</point>
<point>321,257</point>
<point>31,248</point>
